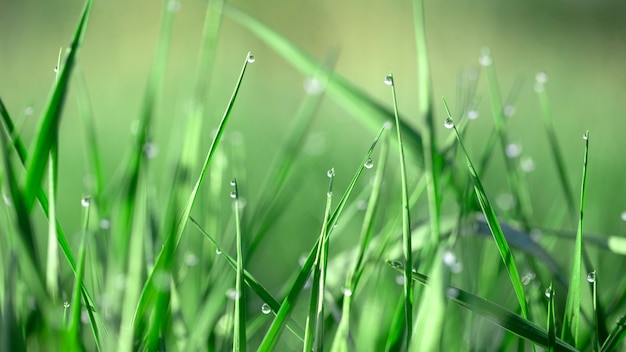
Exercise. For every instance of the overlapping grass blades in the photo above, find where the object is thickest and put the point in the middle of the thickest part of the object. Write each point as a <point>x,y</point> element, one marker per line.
<point>495,313</point>
<point>492,221</point>
<point>572,308</point>
<point>275,329</point>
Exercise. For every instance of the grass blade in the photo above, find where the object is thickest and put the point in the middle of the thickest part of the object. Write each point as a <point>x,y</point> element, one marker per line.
<point>271,337</point>
<point>406,222</point>
<point>492,221</point>
<point>572,307</point>
<point>431,314</point>
<point>239,333</point>
<point>616,336</point>
<point>493,312</point>
<point>49,124</point>
<point>551,320</point>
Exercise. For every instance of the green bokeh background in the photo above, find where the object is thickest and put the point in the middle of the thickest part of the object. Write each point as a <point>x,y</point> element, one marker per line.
<point>581,45</point>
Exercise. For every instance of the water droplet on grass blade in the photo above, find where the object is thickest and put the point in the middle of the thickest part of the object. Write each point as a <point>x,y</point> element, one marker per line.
<point>485,60</point>
<point>66,304</point>
<point>389,79</point>
<point>251,58</point>
<point>85,201</point>
<point>56,69</point>
<point>233,194</point>
<point>549,292</point>
<point>400,279</point>
<point>527,278</point>
<point>233,182</point>
<point>591,277</point>
<point>331,172</point>
<point>452,292</point>
<point>541,78</point>
<point>361,205</point>
<point>586,136</point>
<point>266,309</point>
<point>472,115</point>
<point>508,111</point>
<point>395,264</point>
<point>513,150</point>
<point>218,251</point>
<point>150,150</point>
<point>369,163</point>
<point>448,123</point>
<point>527,164</point>
<point>313,86</point>
<point>233,294</point>
<point>623,215</point>
<point>346,291</point>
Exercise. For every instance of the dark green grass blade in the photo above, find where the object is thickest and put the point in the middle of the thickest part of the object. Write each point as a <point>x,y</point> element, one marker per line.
<point>572,307</point>
<point>495,313</point>
<point>16,141</point>
<point>494,225</point>
<point>254,285</point>
<point>271,337</point>
<point>49,124</point>
<point>406,222</point>
<point>616,336</point>
<point>314,330</point>
<point>239,333</point>
<point>551,320</point>
<point>372,115</point>
<point>164,260</point>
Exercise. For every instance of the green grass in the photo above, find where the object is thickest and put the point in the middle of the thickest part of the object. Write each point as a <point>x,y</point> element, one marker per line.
<point>137,276</point>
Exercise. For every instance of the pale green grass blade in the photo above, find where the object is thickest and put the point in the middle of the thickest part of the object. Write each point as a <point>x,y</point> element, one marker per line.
<point>432,308</point>
<point>361,106</point>
<point>406,222</point>
<point>616,337</point>
<point>239,333</point>
<point>495,313</point>
<point>597,314</point>
<point>551,320</point>
<point>150,294</point>
<point>273,333</point>
<point>49,124</point>
<point>314,330</point>
<point>492,221</point>
<point>254,285</point>
<point>571,318</point>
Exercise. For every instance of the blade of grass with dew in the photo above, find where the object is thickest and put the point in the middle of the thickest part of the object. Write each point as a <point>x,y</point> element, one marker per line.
<point>340,342</point>
<point>239,326</point>
<point>493,312</point>
<point>163,262</point>
<point>593,281</point>
<point>551,320</point>
<point>271,337</point>
<point>492,221</point>
<point>261,291</point>
<point>314,330</point>
<point>74,342</point>
<point>616,336</point>
<point>95,320</point>
<point>373,115</point>
<point>572,307</point>
<point>406,221</point>
<point>49,124</point>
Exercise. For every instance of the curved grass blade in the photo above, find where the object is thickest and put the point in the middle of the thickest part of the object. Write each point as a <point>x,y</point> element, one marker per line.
<point>150,295</point>
<point>572,307</point>
<point>616,336</point>
<point>49,124</point>
<point>261,291</point>
<point>314,331</point>
<point>239,326</point>
<point>492,221</point>
<point>406,222</point>
<point>370,113</point>
<point>493,312</point>
<point>271,337</point>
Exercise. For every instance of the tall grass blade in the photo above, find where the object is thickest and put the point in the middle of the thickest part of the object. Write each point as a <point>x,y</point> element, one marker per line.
<point>49,124</point>
<point>431,314</point>
<point>492,221</point>
<point>239,333</point>
<point>551,321</point>
<point>616,337</point>
<point>572,307</point>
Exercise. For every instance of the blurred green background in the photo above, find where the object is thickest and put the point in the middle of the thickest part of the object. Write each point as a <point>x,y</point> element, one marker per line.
<point>581,45</point>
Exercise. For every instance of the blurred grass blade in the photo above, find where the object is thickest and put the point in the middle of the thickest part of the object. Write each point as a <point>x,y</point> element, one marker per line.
<point>492,221</point>
<point>239,333</point>
<point>432,308</point>
<point>406,222</point>
<point>572,307</point>
<point>370,113</point>
<point>615,338</point>
<point>254,285</point>
<point>551,320</point>
<point>493,312</point>
<point>314,331</point>
<point>164,260</point>
<point>271,336</point>
<point>49,124</point>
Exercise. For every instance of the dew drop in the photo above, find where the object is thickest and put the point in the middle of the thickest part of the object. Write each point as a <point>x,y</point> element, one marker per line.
<point>528,278</point>
<point>218,251</point>
<point>150,150</point>
<point>452,292</point>
<point>233,294</point>
<point>313,86</point>
<point>389,79</point>
<point>369,163</point>
<point>330,173</point>
<point>346,291</point>
<point>586,136</point>
<point>527,164</point>
<point>173,6</point>
<point>591,277</point>
<point>513,150</point>
<point>361,205</point>
<point>485,60</point>
<point>329,194</point>
<point>190,259</point>
<point>56,69</point>
<point>472,115</point>
<point>448,258</point>
<point>29,111</point>
<point>623,216</point>
<point>505,201</point>
<point>400,279</point>
<point>448,123</point>
<point>387,125</point>
<point>66,304</point>
<point>549,292</point>
<point>395,264</point>
<point>541,78</point>
<point>266,309</point>
<point>302,260</point>
<point>85,201</point>
<point>233,182</point>
<point>105,224</point>
<point>233,194</point>
<point>251,58</point>
<point>508,111</point>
